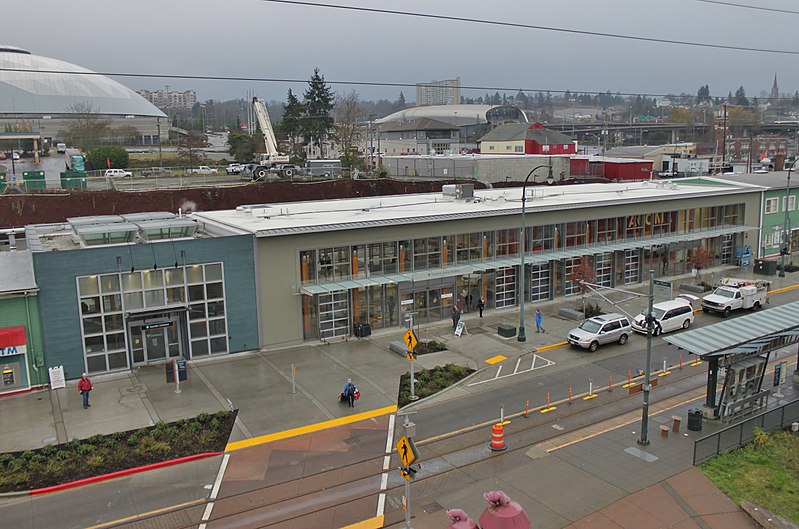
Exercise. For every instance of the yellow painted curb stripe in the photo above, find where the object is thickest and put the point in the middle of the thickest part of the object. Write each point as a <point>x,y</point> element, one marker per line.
<point>495,359</point>
<point>146,514</point>
<point>371,523</point>
<point>784,289</point>
<point>548,347</point>
<point>302,430</point>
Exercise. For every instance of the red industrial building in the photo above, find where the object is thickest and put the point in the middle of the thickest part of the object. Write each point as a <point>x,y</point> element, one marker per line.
<point>610,168</point>
<point>524,138</point>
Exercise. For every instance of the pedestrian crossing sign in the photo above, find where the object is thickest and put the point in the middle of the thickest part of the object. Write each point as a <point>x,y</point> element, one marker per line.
<point>410,340</point>
<point>407,451</point>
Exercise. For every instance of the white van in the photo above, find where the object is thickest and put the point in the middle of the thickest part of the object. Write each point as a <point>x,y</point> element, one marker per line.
<point>669,316</point>
<point>61,147</point>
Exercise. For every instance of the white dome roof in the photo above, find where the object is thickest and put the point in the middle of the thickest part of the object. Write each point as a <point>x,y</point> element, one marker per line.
<point>30,84</point>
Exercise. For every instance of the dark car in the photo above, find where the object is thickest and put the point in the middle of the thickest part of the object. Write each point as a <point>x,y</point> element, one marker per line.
<point>156,171</point>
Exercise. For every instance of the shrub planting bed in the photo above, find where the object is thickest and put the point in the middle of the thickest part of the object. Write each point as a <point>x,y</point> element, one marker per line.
<point>104,454</point>
<point>430,381</point>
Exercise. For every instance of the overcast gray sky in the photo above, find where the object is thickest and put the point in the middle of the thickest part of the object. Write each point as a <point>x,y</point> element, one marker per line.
<point>253,38</point>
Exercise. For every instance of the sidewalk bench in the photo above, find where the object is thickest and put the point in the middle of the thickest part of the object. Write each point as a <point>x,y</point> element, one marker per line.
<point>571,314</point>
<point>398,346</point>
<point>688,287</point>
<point>506,331</point>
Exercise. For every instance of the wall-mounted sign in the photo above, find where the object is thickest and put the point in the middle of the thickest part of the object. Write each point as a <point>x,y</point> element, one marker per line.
<point>158,325</point>
<point>12,341</point>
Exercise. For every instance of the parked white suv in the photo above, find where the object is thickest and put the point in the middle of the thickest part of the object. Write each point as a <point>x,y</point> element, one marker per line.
<point>602,329</point>
<point>669,316</point>
<point>117,173</point>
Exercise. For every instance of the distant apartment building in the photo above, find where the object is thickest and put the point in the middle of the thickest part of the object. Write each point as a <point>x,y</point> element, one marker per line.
<point>761,146</point>
<point>439,93</point>
<point>170,99</point>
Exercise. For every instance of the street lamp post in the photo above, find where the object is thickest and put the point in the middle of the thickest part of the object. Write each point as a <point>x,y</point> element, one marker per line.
<point>522,337</point>
<point>785,234</point>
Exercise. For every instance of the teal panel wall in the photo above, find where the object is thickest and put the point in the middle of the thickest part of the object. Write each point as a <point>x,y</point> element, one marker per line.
<point>56,274</point>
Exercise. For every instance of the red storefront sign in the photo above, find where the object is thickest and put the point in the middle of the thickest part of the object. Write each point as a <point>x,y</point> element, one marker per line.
<point>12,341</point>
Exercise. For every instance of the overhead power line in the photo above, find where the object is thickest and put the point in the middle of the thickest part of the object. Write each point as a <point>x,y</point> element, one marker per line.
<point>744,6</point>
<point>358,83</point>
<point>531,26</point>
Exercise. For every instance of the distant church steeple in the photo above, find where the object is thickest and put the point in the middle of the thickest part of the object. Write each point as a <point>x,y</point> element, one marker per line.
<point>775,91</point>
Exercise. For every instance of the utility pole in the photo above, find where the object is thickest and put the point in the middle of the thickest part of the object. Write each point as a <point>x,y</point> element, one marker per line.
<point>650,328</point>
<point>650,324</point>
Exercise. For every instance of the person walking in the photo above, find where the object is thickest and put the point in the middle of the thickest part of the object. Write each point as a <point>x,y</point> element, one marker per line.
<point>84,388</point>
<point>481,304</point>
<point>349,392</point>
<point>456,316</point>
<point>539,319</point>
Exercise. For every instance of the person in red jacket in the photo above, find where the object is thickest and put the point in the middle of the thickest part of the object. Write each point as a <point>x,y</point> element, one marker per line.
<point>84,387</point>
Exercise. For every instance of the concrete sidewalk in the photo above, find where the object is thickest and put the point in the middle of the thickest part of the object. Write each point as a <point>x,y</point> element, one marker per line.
<point>259,383</point>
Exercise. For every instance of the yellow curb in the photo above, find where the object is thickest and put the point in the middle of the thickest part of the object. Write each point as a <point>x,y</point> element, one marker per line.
<point>294,432</point>
<point>663,374</point>
<point>589,397</point>
<point>495,359</point>
<point>371,523</point>
<point>784,289</point>
<point>547,410</point>
<point>548,347</point>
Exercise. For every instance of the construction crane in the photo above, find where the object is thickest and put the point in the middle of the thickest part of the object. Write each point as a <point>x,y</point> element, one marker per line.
<point>272,158</point>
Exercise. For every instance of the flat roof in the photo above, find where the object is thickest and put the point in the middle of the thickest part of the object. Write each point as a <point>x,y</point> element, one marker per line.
<point>270,220</point>
<point>17,276</point>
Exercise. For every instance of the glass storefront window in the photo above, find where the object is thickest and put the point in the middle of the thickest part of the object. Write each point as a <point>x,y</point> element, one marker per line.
<point>359,263</point>
<point>199,348</point>
<point>216,327</point>
<point>196,293</point>
<point>198,329</point>
<point>110,283</point>
<point>92,325</point>
<point>118,360</point>
<point>197,311</point>
<point>112,303</point>
<point>213,272</point>
<point>218,345</point>
<point>94,344</point>
<point>96,364</point>
<point>308,267</point>
<point>154,298</point>
<point>216,308</point>
<point>175,295</point>
<point>115,341</point>
<point>113,322</point>
<point>131,281</point>
<point>153,279</point>
<point>134,301</point>
<point>90,305</point>
<point>213,290</point>
<point>88,285</point>
<point>194,274</point>
<point>174,277</point>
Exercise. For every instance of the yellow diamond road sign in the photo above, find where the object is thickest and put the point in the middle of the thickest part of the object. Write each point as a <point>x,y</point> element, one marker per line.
<point>410,340</point>
<point>406,451</point>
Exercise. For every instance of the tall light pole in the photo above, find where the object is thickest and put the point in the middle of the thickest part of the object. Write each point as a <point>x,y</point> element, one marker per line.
<point>785,234</point>
<point>647,386</point>
<point>522,337</point>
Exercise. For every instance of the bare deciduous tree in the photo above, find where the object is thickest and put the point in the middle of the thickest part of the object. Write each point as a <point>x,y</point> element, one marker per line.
<point>346,131</point>
<point>87,128</point>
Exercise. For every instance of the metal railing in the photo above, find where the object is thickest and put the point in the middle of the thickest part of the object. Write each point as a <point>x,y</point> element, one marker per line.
<point>741,433</point>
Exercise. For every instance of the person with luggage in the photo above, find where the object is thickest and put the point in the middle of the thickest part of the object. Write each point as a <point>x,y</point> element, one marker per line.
<point>349,393</point>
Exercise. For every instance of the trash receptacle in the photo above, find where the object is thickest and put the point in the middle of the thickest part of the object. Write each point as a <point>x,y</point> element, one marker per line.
<point>695,420</point>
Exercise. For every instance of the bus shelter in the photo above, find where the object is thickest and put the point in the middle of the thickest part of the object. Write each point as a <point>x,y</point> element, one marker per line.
<point>737,352</point>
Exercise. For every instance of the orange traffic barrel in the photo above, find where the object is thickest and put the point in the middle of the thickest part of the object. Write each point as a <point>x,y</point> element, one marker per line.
<point>497,438</point>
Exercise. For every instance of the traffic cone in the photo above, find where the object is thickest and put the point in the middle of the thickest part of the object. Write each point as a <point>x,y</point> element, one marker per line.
<point>497,438</point>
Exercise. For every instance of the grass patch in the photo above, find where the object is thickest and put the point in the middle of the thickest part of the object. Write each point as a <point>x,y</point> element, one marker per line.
<point>764,472</point>
<point>430,381</point>
<point>103,454</point>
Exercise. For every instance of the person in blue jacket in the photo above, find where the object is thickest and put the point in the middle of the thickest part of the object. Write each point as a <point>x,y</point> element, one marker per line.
<point>349,393</point>
<point>539,319</point>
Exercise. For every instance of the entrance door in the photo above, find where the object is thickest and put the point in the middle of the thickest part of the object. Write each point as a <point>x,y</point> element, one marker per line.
<point>155,344</point>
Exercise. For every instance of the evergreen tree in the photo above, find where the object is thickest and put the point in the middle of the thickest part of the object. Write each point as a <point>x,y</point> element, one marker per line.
<point>703,95</point>
<point>740,97</point>
<point>400,104</point>
<point>293,112</point>
<point>319,100</point>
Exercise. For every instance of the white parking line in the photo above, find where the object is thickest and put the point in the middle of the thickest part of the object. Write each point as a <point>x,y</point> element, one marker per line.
<point>538,362</point>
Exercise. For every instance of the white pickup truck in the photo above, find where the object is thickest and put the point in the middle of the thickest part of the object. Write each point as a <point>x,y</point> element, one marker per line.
<point>733,294</point>
<point>203,169</point>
